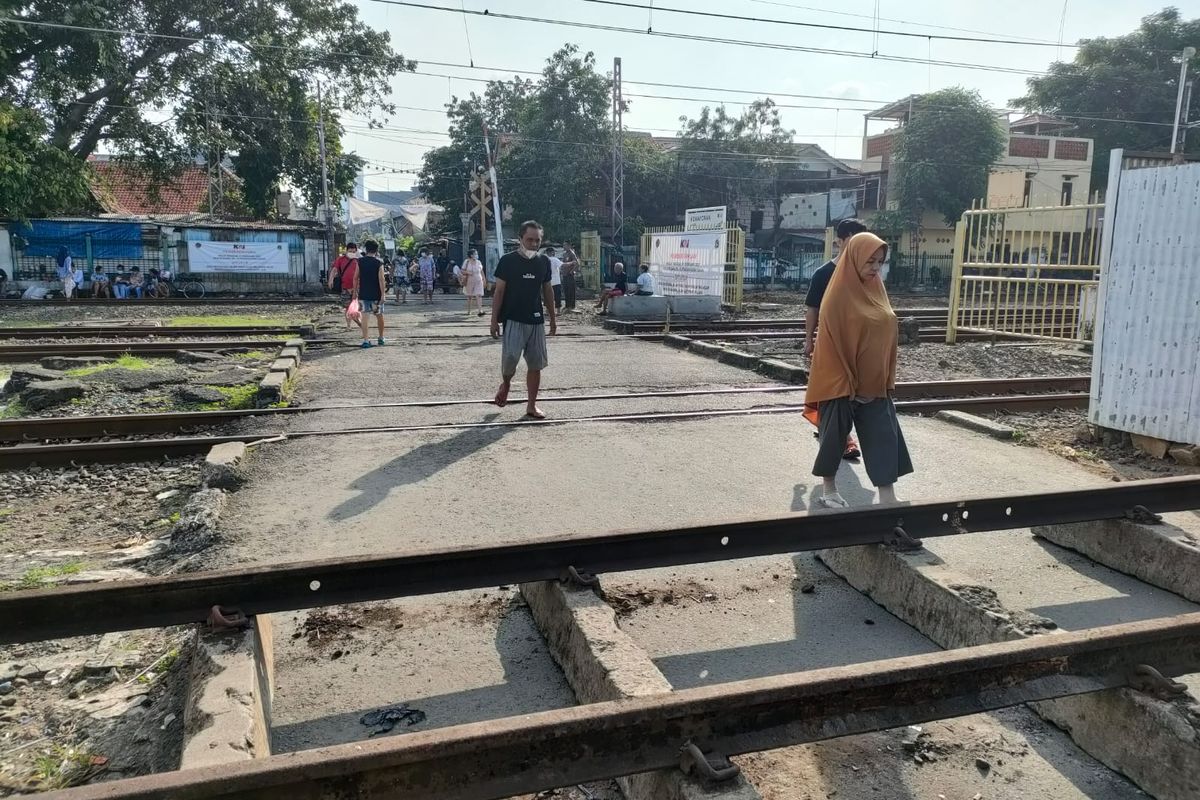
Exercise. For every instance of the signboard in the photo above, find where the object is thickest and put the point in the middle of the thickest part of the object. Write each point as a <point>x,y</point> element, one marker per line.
<point>260,257</point>
<point>704,219</point>
<point>688,263</point>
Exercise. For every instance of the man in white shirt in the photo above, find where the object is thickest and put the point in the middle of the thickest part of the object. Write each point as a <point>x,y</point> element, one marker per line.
<point>555,277</point>
<point>645,282</point>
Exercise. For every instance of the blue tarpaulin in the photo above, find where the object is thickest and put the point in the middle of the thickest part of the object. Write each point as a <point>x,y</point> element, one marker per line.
<point>43,237</point>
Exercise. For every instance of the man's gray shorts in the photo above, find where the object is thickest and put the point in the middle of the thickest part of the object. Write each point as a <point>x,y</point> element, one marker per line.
<point>522,339</point>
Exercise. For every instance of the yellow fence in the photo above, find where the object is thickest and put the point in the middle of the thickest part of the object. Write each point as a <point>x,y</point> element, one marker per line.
<point>735,259</point>
<point>589,258</point>
<point>1031,273</point>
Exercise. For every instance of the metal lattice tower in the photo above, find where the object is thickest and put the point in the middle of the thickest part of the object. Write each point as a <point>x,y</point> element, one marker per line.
<point>618,159</point>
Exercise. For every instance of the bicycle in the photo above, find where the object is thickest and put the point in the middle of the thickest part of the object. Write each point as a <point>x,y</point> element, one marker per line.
<point>186,285</point>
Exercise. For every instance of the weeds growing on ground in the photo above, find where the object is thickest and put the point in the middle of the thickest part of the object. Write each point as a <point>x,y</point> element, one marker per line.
<point>125,360</point>
<point>233,321</point>
<point>253,355</point>
<point>235,397</point>
<point>13,410</point>
<point>34,577</point>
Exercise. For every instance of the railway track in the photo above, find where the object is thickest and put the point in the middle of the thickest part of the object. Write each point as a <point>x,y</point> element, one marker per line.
<point>531,752</point>
<point>151,331</point>
<point>176,301</point>
<point>148,449</point>
<point>32,352</point>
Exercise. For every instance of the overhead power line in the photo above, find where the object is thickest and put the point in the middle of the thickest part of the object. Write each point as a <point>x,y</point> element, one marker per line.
<point>713,39</point>
<point>848,28</point>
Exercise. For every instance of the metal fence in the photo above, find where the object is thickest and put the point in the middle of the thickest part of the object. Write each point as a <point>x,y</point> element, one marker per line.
<point>1030,273</point>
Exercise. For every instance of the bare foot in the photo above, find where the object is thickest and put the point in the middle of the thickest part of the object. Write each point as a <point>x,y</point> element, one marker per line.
<point>533,412</point>
<point>502,395</point>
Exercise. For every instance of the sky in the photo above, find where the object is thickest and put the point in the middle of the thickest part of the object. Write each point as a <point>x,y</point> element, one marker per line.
<point>856,83</point>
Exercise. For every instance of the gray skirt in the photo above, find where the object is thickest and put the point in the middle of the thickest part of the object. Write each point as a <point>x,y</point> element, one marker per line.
<point>883,450</point>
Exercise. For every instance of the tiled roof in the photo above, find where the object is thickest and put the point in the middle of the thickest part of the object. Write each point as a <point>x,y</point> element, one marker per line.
<point>124,189</point>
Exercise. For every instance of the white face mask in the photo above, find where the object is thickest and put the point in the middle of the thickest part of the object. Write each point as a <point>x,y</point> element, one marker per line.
<point>528,253</point>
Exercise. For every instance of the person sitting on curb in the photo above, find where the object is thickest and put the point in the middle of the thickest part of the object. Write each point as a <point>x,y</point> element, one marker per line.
<point>620,286</point>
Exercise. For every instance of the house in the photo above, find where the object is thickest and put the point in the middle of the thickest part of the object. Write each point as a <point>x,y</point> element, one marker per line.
<point>1041,166</point>
<point>125,190</point>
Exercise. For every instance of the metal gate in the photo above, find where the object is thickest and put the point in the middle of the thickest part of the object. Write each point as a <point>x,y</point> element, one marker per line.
<point>735,259</point>
<point>1029,273</point>
<point>589,260</point>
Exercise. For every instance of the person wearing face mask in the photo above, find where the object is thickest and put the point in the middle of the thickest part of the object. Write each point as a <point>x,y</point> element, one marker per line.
<point>341,273</point>
<point>853,373</point>
<point>427,268</point>
<point>472,271</point>
<point>522,297</point>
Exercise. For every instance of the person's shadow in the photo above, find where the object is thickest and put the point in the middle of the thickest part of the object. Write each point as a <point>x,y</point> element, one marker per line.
<point>416,465</point>
<point>849,487</point>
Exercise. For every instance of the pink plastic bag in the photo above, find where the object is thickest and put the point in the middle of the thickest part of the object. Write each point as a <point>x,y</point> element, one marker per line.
<point>353,312</point>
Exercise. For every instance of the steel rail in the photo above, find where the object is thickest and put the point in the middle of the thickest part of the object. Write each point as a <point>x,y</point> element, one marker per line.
<point>33,352</point>
<point>177,301</point>
<point>926,335</point>
<point>22,455</point>
<point>152,602</point>
<point>525,754</point>
<point>28,429</point>
<point>148,331</point>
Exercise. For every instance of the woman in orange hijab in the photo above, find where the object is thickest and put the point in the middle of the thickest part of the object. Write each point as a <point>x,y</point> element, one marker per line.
<point>854,372</point>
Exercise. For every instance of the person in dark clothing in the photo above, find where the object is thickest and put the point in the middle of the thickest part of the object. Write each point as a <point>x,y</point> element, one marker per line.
<point>570,269</point>
<point>369,286</point>
<point>620,288</point>
<point>816,293</point>
<point>523,296</point>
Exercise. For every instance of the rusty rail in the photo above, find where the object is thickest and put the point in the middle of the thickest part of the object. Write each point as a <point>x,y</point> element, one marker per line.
<point>528,753</point>
<point>127,605</point>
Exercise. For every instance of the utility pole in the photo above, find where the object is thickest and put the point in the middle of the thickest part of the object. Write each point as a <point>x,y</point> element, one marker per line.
<point>487,147</point>
<point>329,245</point>
<point>618,161</point>
<point>1188,52</point>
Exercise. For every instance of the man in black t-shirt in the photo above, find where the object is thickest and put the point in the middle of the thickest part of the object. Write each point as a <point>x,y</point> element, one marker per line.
<point>816,293</point>
<point>520,302</point>
<point>369,286</point>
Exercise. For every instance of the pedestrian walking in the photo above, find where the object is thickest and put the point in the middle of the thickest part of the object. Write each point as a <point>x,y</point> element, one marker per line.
<point>400,279</point>
<point>555,277</point>
<point>812,301</point>
<point>341,274</point>
<point>473,276</point>
<point>427,269</point>
<point>368,289</point>
<point>520,303</point>
<point>570,272</point>
<point>853,373</point>
<point>66,272</point>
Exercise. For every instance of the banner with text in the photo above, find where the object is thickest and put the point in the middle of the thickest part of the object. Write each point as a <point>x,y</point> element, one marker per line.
<point>261,257</point>
<point>688,263</point>
<point>704,219</point>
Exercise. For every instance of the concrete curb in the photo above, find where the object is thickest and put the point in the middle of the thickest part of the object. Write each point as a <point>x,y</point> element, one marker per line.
<point>771,367</point>
<point>1118,727</point>
<point>1161,555</point>
<point>276,386</point>
<point>705,349</point>
<point>228,714</point>
<point>601,662</point>
<point>738,358</point>
<point>677,340</point>
<point>783,371</point>
<point>977,424</point>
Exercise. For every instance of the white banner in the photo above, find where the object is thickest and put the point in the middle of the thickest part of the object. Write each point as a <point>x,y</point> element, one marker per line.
<point>688,263</point>
<point>704,219</point>
<point>238,257</point>
<point>360,212</point>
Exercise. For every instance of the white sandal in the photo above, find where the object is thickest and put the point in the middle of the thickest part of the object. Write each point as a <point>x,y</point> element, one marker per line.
<point>834,500</point>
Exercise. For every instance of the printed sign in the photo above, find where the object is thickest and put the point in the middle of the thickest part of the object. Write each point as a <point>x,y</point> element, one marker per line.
<point>258,257</point>
<point>704,219</point>
<point>688,263</point>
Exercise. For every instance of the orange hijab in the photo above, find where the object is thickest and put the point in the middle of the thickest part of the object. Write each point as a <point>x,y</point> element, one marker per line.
<point>856,335</point>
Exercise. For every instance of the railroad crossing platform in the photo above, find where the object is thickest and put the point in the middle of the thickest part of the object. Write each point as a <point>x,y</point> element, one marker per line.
<point>478,655</point>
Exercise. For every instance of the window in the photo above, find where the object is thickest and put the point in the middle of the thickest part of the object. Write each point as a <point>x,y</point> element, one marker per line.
<point>1068,189</point>
<point>1029,176</point>
<point>1071,149</point>
<point>756,221</point>
<point>871,195</point>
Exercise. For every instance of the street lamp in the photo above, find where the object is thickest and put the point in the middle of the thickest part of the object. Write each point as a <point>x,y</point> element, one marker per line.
<point>1188,52</point>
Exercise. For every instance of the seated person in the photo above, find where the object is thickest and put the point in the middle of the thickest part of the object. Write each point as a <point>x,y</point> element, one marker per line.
<point>136,282</point>
<point>77,276</point>
<point>620,284</point>
<point>121,284</point>
<point>153,281</point>
<point>100,284</point>
<point>645,282</point>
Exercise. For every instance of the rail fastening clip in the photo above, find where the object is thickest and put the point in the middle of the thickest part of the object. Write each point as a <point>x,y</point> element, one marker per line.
<point>717,770</point>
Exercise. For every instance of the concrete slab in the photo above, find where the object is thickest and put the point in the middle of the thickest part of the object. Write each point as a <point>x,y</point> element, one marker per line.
<point>973,422</point>
<point>460,657</point>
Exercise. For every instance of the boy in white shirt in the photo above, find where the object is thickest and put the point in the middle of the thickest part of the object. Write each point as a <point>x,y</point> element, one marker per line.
<point>555,277</point>
<point>645,282</point>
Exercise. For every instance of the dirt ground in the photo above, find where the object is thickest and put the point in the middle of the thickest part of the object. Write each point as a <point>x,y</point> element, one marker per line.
<point>34,313</point>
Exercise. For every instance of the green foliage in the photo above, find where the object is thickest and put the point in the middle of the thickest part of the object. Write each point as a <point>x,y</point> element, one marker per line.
<point>1130,77</point>
<point>243,396</point>
<point>247,90</point>
<point>33,578</point>
<point>13,409</point>
<point>35,178</point>
<point>253,355</point>
<point>232,321</point>
<point>125,361</point>
<point>944,153</point>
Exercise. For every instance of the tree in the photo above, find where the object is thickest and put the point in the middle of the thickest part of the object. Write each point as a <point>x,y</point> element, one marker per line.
<point>160,81</point>
<point>943,155</point>
<point>35,178</point>
<point>725,158</point>
<point>1125,80</point>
